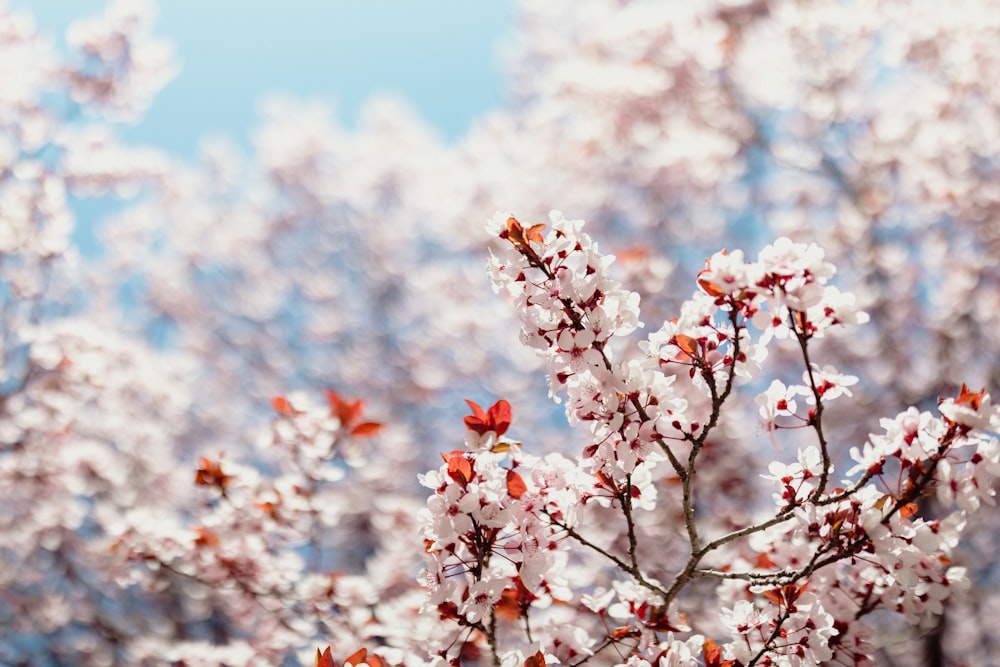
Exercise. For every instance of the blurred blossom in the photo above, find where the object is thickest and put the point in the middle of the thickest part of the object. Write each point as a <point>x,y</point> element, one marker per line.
<point>211,431</point>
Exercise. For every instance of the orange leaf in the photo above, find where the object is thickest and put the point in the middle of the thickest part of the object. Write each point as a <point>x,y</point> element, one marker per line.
<point>534,233</point>
<point>366,430</point>
<point>347,411</point>
<point>477,410</point>
<point>282,406</point>
<point>514,602</point>
<point>519,236</point>
<point>712,652</point>
<point>605,481</point>
<point>713,655</point>
<point>205,538</point>
<point>375,661</point>
<point>908,510</point>
<point>515,485</point>
<point>357,657</point>
<point>710,288</point>
<point>657,619</point>
<point>499,416</point>
<point>632,254</point>
<point>324,659</point>
<point>460,470</point>
<point>477,420</point>
<point>970,399</point>
<point>496,420</point>
<point>537,660</point>
<point>210,474</point>
<point>687,344</point>
<point>764,561</point>
<point>774,595</point>
<point>508,608</point>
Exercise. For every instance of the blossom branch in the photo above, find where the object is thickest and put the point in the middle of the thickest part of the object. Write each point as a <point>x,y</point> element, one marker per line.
<point>798,323</point>
<point>629,568</point>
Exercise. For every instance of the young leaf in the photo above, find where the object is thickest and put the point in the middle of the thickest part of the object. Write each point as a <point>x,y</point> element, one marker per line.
<point>537,660</point>
<point>460,470</point>
<point>347,411</point>
<point>282,406</point>
<point>520,236</point>
<point>357,657</point>
<point>688,345</point>
<point>324,659</point>
<point>366,430</point>
<point>499,417</point>
<point>515,485</point>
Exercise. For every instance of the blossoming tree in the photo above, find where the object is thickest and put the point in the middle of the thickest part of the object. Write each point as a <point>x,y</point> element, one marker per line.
<point>794,587</point>
<point>193,476</point>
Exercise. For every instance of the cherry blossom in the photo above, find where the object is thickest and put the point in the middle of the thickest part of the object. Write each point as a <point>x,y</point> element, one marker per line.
<point>213,432</point>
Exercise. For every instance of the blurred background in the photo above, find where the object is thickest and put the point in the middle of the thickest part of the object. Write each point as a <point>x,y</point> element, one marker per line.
<point>212,213</point>
<point>443,58</point>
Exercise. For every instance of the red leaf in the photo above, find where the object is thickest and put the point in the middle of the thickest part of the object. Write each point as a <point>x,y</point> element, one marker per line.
<point>282,406</point>
<point>210,474</point>
<point>713,656</point>
<point>534,233</point>
<point>347,411</point>
<point>519,236</point>
<point>366,430</point>
<point>507,607</point>
<point>205,538</point>
<point>499,417</point>
<point>605,481</point>
<point>537,660</point>
<point>774,595</point>
<point>712,653</point>
<point>687,344</point>
<point>632,254</point>
<point>477,421</point>
<point>324,659</point>
<point>515,485</point>
<point>460,470</point>
<point>657,619</point>
<point>764,562</point>
<point>970,399</point>
<point>710,288</point>
<point>496,420</point>
<point>357,657</point>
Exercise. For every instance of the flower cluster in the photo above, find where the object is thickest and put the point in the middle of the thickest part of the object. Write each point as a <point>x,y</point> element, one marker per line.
<point>491,555</point>
<point>570,309</point>
<point>692,525</point>
<point>797,586</point>
<point>259,545</point>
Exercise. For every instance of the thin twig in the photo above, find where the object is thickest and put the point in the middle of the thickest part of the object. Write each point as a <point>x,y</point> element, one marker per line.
<point>625,567</point>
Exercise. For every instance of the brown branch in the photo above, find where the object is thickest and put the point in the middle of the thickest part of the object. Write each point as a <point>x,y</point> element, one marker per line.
<point>622,565</point>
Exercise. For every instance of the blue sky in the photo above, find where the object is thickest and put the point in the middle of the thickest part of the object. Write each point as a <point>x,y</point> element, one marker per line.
<point>441,56</point>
